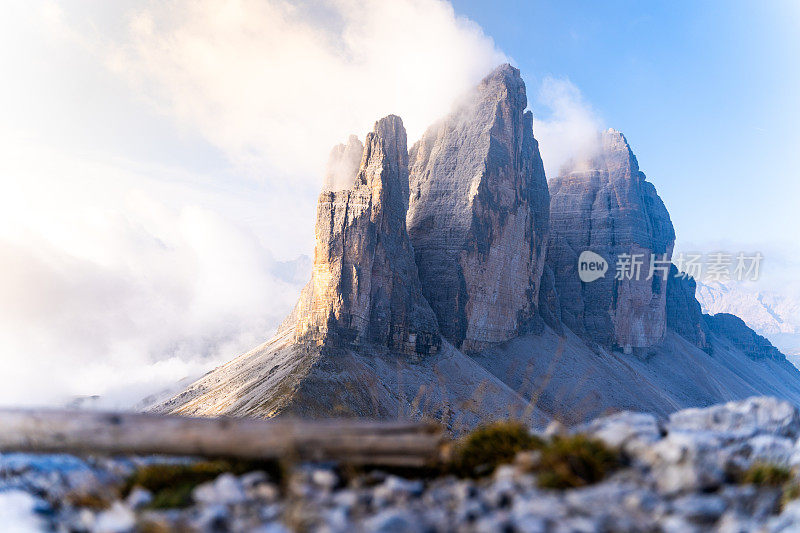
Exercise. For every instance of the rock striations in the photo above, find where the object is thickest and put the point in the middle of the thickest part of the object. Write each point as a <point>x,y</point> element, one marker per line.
<point>459,247</point>
<point>736,331</point>
<point>684,315</point>
<point>364,286</point>
<point>605,205</point>
<point>478,214</point>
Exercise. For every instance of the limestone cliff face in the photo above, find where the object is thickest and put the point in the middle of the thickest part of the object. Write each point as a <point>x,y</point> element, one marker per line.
<point>605,205</point>
<point>364,286</point>
<point>742,337</point>
<point>684,315</point>
<point>478,214</point>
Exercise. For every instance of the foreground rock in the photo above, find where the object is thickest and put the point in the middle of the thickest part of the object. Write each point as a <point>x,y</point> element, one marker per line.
<point>683,474</point>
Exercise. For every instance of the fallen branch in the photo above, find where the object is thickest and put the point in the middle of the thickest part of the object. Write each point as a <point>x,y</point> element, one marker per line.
<point>359,442</point>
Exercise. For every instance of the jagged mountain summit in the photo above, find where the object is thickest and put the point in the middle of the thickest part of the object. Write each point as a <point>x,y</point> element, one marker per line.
<point>478,214</point>
<point>605,205</point>
<point>362,339</point>
<point>445,284</point>
<point>364,285</point>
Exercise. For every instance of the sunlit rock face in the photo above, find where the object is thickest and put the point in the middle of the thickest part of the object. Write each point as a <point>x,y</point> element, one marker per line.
<point>478,215</point>
<point>364,286</point>
<point>605,205</point>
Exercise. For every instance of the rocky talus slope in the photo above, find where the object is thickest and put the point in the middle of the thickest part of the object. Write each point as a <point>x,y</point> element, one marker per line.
<point>605,205</point>
<point>697,470</point>
<point>445,285</point>
<point>478,214</point>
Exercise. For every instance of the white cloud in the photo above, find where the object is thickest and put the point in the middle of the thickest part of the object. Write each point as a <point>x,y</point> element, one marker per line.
<point>140,250</point>
<point>568,128</point>
<point>118,283</point>
<point>276,84</point>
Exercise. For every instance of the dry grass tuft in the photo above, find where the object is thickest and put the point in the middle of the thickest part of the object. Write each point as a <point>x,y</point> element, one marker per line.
<point>767,475</point>
<point>481,451</point>
<point>172,484</point>
<point>575,461</point>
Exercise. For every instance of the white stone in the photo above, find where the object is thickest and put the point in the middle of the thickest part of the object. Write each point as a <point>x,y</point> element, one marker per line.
<point>117,519</point>
<point>225,490</point>
<point>741,419</point>
<point>138,498</point>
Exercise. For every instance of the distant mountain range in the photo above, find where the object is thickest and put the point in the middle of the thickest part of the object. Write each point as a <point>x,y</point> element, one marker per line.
<point>775,316</point>
<point>449,281</point>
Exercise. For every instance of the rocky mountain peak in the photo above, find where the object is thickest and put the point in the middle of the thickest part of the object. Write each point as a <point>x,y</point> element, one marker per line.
<point>504,84</point>
<point>364,286</point>
<point>605,205</point>
<point>363,339</point>
<point>737,332</point>
<point>478,214</point>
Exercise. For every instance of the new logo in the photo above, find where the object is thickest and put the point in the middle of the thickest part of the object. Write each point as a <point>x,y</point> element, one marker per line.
<point>591,266</point>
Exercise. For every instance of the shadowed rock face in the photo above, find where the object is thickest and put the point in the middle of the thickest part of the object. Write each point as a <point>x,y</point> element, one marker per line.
<point>606,206</point>
<point>684,315</point>
<point>751,343</point>
<point>478,215</point>
<point>364,286</point>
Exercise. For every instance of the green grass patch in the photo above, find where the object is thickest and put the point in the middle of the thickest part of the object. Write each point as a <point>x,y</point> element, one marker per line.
<point>767,475</point>
<point>575,461</point>
<point>563,462</point>
<point>481,451</point>
<point>172,484</point>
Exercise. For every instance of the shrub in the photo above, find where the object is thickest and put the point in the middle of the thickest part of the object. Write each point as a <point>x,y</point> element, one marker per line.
<point>482,450</point>
<point>767,474</point>
<point>791,491</point>
<point>575,461</point>
<point>172,484</point>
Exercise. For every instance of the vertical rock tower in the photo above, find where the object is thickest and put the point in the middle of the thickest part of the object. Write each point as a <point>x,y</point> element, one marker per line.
<point>605,205</point>
<point>478,214</point>
<point>364,286</point>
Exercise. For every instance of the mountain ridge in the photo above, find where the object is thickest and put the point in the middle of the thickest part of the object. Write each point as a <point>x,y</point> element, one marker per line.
<point>444,285</point>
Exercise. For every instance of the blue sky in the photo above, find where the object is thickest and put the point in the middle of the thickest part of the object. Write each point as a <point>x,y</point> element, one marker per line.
<point>708,94</point>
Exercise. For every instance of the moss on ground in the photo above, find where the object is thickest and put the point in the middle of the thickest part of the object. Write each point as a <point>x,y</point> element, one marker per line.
<point>789,492</point>
<point>575,461</point>
<point>767,474</point>
<point>562,462</point>
<point>172,484</point>
<point>482,450</point>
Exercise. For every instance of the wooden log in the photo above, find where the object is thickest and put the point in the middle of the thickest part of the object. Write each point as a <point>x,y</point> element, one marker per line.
<point>399,444</point>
